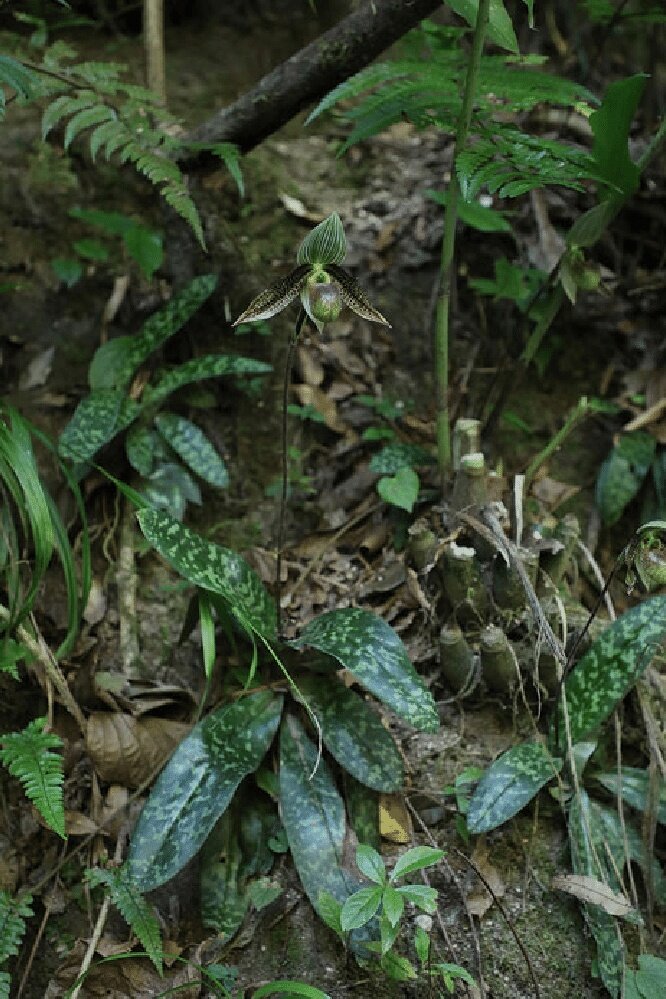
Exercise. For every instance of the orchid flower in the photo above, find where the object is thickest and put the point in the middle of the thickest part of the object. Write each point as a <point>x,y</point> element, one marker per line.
<point>324,287</point>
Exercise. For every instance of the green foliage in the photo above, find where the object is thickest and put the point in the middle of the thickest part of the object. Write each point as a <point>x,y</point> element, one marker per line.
<point>622,474</point>
<point>13,914</point>
<point>119,118</point>
<point>509,784</point>
<point>28,755</point>
<point>30,515</point>
<point>372,652</point>
<point>634,787</point>
<point>648,980</point>
<point>143,245</point>
<point>156,441</point>
<point>133,907</point>
<point>197,785</point>
<point>611,668</point>
<point>401,489</point>
<point>382,905</point>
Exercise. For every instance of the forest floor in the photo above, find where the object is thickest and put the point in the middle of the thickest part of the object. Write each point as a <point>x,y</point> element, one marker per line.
<point>344,545</point>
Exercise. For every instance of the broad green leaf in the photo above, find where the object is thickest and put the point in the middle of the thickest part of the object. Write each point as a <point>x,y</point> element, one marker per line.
<point>94,424</point>
<point>197,784</point>
<point>144,247</point>
<point>91,249</point>
<point>475,215</point>
<point>588,856</point>
<point>360,908</point>
<point>422,896</point>
<point>397,967</point>
<point>208,366</point>
<point>610,668</point>
<point>290,989</point>
<point>313,814</point>
<point>648,981</point>
<point>499,31</point>
<point>611,124</point>
<point>416,859</point>
<point>401,489</point>
<point>193,447</point>
<point>635,789</point>
<point>108,368</point>
<point>67,269</point>
<point>394,904</point>
<point>622,474</point>
<point>212,567</point>
<point>388,932</point>
<point>370,863</point>
<point>509,784</point>
<point>592,224</point>
<point>353,733</point>
<point>115,223</point>
<point>369,648</point>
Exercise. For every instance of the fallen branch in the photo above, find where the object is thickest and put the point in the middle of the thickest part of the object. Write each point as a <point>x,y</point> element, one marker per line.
<point>307,76</point>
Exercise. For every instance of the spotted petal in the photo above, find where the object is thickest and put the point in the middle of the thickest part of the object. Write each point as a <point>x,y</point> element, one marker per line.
<point>275,298</point>
<point>354,296</point>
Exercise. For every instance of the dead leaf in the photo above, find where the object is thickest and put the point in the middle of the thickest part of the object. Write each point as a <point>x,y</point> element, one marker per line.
<point>395,824</point>
<point>311,368</point>
<point>589,889</point>
<point>480,898</point>
<point>78,824</point>
<point>310,395</point>
<point>127,750</point>
<point>96,604</point>
<point>37,371</point>
<point>296,207</point>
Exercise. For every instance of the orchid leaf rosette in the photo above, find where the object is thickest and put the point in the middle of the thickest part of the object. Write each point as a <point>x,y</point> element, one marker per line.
<point>324,287</point>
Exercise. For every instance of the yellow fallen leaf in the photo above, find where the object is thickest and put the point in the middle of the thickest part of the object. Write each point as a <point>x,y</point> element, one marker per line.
<point>394,822</point>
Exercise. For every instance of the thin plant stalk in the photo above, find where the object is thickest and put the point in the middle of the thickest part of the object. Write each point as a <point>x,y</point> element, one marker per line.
<point>442,320</point>
<point>285,465</point>
<point>153,37</point>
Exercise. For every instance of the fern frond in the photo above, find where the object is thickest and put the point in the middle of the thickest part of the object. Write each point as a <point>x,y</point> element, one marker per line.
<point>13,913</point>
<point>133,907</point>
<point>24,81</point>
<point>230,155</point>
<point>86,119</point>
<point>65,105</point>
<point>27,755</point>
<point>5,985</point>
<point>103,134</point>
<point>176,195</point>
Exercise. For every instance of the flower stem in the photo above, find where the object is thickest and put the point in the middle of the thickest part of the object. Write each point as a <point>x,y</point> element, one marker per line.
<point>285,466</point>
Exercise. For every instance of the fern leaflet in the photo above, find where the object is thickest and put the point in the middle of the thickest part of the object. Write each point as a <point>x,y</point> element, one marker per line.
<point>13,914</point>
<point>27,755</point>
<point>133,907</point>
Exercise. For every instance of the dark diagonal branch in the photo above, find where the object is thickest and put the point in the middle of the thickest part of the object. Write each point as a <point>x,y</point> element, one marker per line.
<point>308,75</point>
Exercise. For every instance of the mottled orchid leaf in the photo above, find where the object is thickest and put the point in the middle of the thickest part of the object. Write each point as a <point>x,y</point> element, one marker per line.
<point>197,784</point>
<point>622,474</point>
<point>355,298</point>
<point>212,567</point>
<point>634,785</point>
<point>610,668</point>
<point>170,488</point>
<point>276,297</point>
<point>370,649</point>
<point>509,784</point>
<point>208,366</point>
<point>94,424</point>
<point>353,733</point>
<point>363,811</point>
<point>140,447</point>
<point>313,815</point>
<point>588,856</point>
<point>115,362</point>
<point>397,455</point>
<point>193,447</point>
<point>325,244</point>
